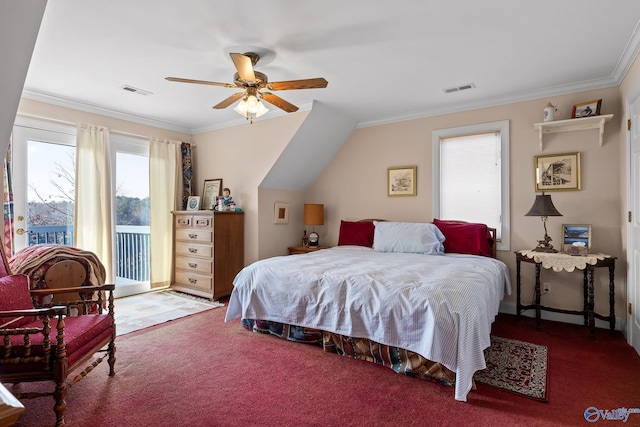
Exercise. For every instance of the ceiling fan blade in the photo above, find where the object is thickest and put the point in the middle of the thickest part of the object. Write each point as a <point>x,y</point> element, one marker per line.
<point>316,83</point>
<point>200,82</point>
<point>230,100</point>
<point>278,102</point>
<point>244,65</point>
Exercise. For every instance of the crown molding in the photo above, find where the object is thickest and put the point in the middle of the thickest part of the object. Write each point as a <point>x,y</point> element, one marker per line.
<point>89,108</point>
<point>497,101</point>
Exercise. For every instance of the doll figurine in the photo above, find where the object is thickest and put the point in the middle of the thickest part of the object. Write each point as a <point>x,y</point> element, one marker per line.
<point>226,197</point>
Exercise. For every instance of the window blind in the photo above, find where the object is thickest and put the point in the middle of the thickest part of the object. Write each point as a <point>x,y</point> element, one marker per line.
<point>470,179</point>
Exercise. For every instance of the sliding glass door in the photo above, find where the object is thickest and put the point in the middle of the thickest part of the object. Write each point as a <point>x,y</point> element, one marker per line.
<point>43,178</point>
<point>130,159</point>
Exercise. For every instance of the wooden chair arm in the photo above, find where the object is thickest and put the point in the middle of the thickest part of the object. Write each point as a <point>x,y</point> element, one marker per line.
<point>49,311</point>
<point>49,291</point>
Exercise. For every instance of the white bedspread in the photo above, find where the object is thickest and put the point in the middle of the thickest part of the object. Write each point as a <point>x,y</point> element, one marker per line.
<point>440,306</point>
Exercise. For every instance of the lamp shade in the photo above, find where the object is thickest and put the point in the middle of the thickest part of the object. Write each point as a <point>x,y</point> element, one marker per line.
<point>543,206</point>
<point>313,214</point>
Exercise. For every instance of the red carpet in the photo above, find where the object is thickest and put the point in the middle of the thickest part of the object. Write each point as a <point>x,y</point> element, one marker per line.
<point>199,371</point>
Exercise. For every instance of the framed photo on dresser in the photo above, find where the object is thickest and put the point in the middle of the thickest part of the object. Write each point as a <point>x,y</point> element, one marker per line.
<point>211,190</point>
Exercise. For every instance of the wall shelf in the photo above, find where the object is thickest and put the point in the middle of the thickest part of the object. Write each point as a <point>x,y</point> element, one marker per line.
<point>593,122</point>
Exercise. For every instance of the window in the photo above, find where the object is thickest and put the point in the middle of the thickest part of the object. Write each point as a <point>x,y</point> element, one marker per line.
<point>471,176</point>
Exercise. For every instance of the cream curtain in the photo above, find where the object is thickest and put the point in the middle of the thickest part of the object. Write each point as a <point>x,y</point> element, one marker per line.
<point>164,183</point>
<point>93,223</point>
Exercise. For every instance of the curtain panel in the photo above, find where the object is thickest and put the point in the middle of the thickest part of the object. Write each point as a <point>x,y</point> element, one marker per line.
<point>8,202</point>
<point>93,221</point>
<point>187,173</point>
<point>165,178</point>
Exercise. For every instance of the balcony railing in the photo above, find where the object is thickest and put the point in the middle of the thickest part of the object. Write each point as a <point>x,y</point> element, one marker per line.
<point>132,247</point>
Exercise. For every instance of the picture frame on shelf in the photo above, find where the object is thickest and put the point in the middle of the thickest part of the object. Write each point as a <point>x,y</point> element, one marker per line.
<point>193,203</point>
<point>576,233</point>
<point>281,213</point>
<point>586,109</point>
<point>557,172</point>
<point>401,181</point>
<point>211,190</point>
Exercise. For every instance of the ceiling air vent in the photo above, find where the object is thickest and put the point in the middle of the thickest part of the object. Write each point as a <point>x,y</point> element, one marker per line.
<point>136,90</point>
<point>459,88</point>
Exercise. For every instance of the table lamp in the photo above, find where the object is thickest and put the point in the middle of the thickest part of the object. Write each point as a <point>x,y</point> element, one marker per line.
<point>313,215</point>
<point>543,207</point>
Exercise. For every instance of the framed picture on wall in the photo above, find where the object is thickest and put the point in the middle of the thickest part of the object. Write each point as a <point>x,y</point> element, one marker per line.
<point>401,181</point>
<point>557,172</point>
<point>210,191</point>
<point>281,213</point>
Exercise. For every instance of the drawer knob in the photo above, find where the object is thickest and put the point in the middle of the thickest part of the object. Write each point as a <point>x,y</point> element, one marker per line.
<point>193,250</point>
<point>192,265</point>
<point>193,236</point>
<point>192,280</point>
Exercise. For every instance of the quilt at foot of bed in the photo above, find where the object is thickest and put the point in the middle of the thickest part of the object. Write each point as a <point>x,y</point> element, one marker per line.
<point>399,360</point>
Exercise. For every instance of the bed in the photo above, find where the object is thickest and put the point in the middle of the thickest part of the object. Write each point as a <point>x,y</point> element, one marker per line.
<point>417,297</point>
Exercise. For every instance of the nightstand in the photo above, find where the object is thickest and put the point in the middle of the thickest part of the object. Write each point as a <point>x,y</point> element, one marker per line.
<point>295,250</point>
<point>562,261</point>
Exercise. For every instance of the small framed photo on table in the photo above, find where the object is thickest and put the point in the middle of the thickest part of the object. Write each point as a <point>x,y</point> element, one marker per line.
<point>576,239</point>
<point>193,203</point>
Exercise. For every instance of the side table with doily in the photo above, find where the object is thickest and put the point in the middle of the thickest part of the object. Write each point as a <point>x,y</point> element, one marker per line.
<point>562,261</point>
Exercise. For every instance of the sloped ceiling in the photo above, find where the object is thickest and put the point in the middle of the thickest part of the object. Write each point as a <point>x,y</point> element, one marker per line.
<point>19,24</point>
<point>314,144</point>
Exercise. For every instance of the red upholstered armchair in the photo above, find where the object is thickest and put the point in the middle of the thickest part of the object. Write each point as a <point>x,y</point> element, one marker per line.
<point>46,343</point>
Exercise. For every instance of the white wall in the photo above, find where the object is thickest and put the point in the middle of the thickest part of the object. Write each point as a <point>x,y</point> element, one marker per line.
<point>242,156</point>
<point>353,186</point>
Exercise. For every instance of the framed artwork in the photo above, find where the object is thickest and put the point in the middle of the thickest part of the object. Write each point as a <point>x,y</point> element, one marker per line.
<point>401,181</point>
<point>586,109</point>
<point>210,191</point>
<point>281,213</point>
<point>576,233</point>
<point>557,172</point>
<point>193,203</point>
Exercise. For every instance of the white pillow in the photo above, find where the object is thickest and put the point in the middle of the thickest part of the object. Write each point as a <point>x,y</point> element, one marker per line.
<point>409,237</point>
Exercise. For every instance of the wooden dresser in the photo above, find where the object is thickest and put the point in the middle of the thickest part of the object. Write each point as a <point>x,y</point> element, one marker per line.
<point>208,252</point>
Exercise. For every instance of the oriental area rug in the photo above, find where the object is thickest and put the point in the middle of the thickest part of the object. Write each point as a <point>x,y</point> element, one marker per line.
<point>144,310</point>
<point>516,366</point>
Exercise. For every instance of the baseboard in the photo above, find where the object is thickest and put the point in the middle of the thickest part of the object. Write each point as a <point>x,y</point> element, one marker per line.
<point>509,307</point>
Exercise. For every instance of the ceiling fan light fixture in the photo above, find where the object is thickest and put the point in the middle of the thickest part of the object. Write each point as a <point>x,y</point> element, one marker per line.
<point>250,107</point>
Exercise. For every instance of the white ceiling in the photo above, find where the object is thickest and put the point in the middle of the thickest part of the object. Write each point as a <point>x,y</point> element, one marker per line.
<point>384,60</point>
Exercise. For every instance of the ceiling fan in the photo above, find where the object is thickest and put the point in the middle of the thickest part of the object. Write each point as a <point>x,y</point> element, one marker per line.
<point>254,84</point>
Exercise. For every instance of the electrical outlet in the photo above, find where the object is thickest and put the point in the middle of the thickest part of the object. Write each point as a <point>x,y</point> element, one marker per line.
<point>546,287</point>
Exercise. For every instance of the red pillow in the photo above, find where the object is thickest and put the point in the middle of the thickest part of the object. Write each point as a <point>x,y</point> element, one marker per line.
<point>465,237</point>
<point>356,233</point>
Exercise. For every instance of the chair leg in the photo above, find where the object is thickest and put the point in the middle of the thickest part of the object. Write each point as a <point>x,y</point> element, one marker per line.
<point>60,404</point>
<point>112,357</point>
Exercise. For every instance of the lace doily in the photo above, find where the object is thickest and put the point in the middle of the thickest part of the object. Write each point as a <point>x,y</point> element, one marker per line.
<point>560,261</point>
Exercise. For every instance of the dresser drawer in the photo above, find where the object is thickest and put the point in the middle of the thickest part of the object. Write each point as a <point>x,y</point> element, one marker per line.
<point>193,280</point>
<point>202,222</point>
<point>183,220</point>
<point>194,249</point>
<point>197,265</point>
<point>194,235</point>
